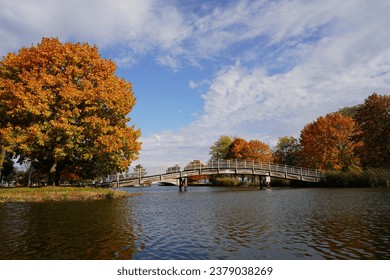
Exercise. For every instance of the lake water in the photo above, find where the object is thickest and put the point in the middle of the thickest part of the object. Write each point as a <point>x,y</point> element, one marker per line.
<point>203,223</point>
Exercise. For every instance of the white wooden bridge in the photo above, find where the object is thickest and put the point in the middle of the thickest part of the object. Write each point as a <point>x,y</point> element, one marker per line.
<point>177,175</point>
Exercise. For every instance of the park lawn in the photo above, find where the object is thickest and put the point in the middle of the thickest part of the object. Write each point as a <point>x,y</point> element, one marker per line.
<point>44,194</point>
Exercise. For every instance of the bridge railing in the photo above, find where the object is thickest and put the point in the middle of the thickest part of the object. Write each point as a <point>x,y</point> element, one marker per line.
<point>272,167</point>
<point>216,165</point>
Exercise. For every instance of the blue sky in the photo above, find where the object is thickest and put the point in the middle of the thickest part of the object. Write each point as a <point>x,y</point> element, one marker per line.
<point>202,69</point>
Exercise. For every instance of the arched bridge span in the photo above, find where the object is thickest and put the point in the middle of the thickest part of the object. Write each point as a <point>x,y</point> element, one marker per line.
<point>177,174</point>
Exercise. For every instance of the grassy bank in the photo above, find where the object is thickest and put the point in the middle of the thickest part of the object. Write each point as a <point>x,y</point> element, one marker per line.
<point>233,182</point>
<point>45,194</point>
<point>372,177</point>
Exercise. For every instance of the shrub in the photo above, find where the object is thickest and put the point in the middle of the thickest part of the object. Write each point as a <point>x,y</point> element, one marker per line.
<point>372,177</point>
<point>225,181</point>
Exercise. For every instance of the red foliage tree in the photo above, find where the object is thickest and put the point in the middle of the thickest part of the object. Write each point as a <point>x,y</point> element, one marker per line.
<point>373,118</point>
<point>256,150</point>
<point>327,143</point>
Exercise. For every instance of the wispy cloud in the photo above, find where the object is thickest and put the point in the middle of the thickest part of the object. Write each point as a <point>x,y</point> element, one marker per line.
<point>277,64</point>
<point>137,26</point>
<point>340,67</point>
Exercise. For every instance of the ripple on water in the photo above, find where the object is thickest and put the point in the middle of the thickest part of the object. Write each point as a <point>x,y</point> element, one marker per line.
<point>203,223</point>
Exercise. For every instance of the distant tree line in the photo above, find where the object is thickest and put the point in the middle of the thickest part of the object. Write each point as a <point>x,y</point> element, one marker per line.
<point>353,139</point>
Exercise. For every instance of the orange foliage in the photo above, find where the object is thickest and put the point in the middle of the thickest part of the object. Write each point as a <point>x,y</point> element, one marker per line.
<point>327,143</point>
<point>63,103</point>
<point>67,175</point>
<point>256,150</point>
<point>237,149</point>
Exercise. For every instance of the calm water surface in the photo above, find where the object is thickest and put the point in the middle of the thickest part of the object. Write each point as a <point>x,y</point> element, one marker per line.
<point>203,223</point>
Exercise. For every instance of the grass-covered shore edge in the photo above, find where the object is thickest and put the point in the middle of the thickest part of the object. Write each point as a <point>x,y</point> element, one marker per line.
<point>51,193</point>
<point>371,177</point>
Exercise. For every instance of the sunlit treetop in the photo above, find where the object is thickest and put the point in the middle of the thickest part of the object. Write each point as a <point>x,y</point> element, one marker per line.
<point>62,106</point>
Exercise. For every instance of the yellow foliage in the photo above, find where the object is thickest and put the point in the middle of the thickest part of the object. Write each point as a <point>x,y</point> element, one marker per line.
<point>63,102</point>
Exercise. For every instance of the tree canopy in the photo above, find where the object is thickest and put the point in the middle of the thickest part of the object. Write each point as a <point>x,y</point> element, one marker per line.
<point>327,143</point>
<point>63,107</point>
<point>287,150</point>
<point>256,150</point>
<point>220,148</point>
<point>373,118</point>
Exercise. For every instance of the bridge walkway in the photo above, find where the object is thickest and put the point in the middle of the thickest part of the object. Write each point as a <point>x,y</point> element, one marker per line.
<point>214,167</point>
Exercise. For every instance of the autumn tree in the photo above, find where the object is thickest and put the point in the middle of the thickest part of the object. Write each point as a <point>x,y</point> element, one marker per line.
<point>287,150</point>
<point>373,118</point>
<point>237,149</point>
<point>256,150</point>
<point>259,151</point>
<point>220,148</point>
<point>62,106</point>
<point>327,143</point>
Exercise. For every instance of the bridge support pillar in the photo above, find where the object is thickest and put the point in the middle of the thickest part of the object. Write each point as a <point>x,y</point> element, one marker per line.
<point>265,182</point>
<point>183,183</point>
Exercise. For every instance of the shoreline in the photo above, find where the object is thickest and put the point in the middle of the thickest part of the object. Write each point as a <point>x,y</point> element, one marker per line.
<point>56,194</point>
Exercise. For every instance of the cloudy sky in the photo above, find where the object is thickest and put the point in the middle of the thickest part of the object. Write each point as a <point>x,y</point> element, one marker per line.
<point>201,69</point>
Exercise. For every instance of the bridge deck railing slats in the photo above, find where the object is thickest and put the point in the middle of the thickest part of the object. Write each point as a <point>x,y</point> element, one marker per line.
<point>218,166</point>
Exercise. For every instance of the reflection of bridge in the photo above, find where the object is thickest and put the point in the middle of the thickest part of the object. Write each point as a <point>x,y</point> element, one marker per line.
<point>178,176</point>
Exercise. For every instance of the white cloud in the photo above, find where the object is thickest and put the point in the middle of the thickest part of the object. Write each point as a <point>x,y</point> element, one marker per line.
<point>281,63</point>
<point>193,84</point>
<point>197,84</point>
<point>140,26</point>
<point>340,68</point>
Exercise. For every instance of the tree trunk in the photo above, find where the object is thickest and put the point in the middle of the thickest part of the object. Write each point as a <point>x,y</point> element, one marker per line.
<point>58,173</point>
<point>2,160</point>
<point>52,175</point>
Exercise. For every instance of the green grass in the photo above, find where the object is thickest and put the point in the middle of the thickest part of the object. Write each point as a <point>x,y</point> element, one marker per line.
<point>44,194</point>
<point>371,177</point>
<point>226,182</point>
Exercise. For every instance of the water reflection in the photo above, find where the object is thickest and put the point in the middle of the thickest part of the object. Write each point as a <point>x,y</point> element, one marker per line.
<point>353,226</point>
<point>72,230</point>
<point>204,223</point>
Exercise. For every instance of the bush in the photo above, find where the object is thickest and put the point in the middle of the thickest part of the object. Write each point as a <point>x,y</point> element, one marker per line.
<point>225,181</point>
<point>378,177</point>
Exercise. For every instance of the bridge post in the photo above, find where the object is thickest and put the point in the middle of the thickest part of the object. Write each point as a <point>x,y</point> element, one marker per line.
<point>262,182</point>
<point>182,183</point>
<point>253,172</point>
<point>139,176</point>
<point>265,182</point>
<point>285,171</point>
